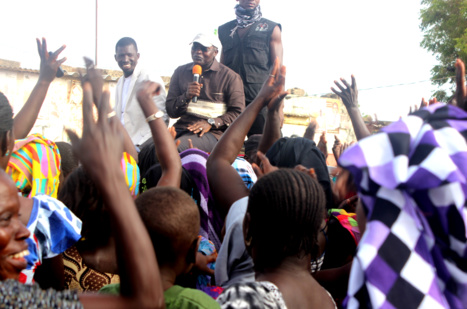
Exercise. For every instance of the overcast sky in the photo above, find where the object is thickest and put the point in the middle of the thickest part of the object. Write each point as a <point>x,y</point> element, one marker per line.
<point>377,41</point>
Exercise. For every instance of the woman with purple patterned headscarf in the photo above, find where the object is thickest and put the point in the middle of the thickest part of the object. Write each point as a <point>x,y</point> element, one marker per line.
<point>412,183</point>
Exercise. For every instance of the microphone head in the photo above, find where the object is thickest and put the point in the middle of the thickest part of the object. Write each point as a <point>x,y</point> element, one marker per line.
<point>197,69</point>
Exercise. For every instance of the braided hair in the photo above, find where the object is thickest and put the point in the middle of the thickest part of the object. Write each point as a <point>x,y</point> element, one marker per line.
<point>6,122</point>
<point>286,210</point>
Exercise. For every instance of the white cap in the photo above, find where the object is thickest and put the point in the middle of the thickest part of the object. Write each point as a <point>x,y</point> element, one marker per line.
<point>207,40</point>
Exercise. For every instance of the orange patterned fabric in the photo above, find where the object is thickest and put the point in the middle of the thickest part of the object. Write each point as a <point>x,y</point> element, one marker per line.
<point>82,278</point>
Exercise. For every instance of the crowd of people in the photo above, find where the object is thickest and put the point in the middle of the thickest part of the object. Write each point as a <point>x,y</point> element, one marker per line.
<point>221,210</point>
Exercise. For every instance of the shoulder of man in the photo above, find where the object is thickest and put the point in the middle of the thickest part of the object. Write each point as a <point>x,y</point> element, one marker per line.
<point>271,24</point>
<point>229,24</point>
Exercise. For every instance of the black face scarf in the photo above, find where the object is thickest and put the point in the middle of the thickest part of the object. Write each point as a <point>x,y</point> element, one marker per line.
<point>246,18</point>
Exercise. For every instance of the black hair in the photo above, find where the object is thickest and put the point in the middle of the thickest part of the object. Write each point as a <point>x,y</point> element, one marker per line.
<point>286,210</point>
<point>125,42</point>
<point>6,122</point>
<point>289,152</point>
<point>151,178</point>
<point>147,158</point>
<point>172,220</point>
<point>68,160</point>
<point>81,196</point>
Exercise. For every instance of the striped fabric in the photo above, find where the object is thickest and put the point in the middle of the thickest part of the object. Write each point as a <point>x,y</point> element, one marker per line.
<point>412,182</point>
<point>34,166</point>
<point>211,222</point>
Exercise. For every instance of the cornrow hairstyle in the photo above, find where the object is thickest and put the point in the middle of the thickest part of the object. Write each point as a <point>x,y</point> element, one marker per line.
<point>125,41</point>
<point>6,122</point>
<point>286,211</point>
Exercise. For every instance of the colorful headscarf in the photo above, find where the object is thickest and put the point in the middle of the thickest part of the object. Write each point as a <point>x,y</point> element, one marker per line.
<point>34,166</point>
<point>348,221</point>
<point>411,179</point>
<point>132,175</point>
<point>194,161</point>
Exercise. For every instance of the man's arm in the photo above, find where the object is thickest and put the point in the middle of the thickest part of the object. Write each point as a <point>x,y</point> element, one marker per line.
<point>26,117</point>
<point>235,97</point>
<point>176,102</point>
<point>275,45</point>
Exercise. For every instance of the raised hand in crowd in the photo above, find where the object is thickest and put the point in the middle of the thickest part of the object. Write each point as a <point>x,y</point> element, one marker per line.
<point>349,96</point>
<point>274,119</point>
<point>461,89</point>
<point>423,104</point>
<point>166,151</point>
<point>265,166</point>
<point>311,129</point>
<point>100,150</point>
<point>225,183</point>
<point>338,148</point>
<point>322,144</point>
<point>26,117</point>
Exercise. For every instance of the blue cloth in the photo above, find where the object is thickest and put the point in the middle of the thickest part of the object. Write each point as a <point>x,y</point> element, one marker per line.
<point>54,228</point>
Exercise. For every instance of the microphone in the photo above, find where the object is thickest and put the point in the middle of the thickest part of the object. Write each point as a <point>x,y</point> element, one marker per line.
<point>197,70</point>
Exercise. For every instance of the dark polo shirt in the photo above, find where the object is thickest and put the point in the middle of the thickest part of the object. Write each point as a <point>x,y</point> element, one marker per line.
<point>220,84</point>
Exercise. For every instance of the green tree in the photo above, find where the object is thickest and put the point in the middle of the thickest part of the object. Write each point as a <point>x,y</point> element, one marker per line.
<point>444,23</point>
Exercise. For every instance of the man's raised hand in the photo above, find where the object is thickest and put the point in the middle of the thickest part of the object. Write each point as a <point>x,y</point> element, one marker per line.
<point>348,93</point>
<point>49,62</point>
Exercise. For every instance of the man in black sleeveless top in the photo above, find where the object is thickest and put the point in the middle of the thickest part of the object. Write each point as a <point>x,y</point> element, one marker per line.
<point>250,44</point>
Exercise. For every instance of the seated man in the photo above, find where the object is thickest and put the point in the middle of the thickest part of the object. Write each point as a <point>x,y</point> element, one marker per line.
<point>219,93</point>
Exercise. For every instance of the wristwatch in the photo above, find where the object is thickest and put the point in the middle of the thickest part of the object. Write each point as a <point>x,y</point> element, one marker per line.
<point>155,116</point>
<point>212,122</point>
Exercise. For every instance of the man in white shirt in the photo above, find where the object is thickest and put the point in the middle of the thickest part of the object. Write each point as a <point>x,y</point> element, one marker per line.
<point>126,104</point>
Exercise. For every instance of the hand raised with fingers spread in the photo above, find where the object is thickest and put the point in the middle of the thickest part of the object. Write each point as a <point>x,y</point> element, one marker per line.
<point>348,93</point>
<point>265,168</point>
<point>349,96</point>
<point>49,62</point>
<point>273,87</point>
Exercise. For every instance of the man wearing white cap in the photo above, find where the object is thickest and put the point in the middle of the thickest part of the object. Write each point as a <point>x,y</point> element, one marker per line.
<point>219,97</point>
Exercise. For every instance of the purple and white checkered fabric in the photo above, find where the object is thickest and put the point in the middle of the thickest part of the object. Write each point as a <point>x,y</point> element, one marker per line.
<point>412,181</point>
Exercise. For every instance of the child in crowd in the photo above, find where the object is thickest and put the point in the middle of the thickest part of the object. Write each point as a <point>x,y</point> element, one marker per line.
<point>172,220</point>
